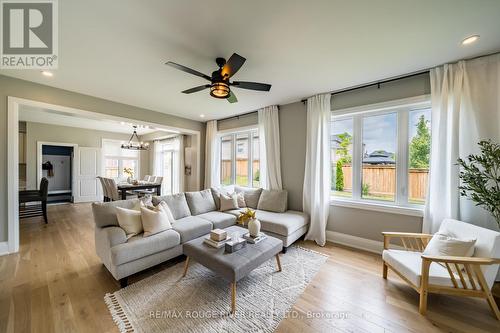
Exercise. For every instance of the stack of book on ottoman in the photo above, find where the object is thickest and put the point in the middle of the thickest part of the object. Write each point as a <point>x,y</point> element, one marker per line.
<point>254,240</point>
<point>217,238</point>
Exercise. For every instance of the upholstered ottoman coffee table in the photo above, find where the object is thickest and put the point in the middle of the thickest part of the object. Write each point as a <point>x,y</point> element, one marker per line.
<point>232,266</point>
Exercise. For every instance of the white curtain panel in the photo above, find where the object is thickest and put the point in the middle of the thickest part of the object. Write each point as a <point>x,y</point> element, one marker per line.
<point>212,171</point>
<point>175,146</point>
<point>465,110</point>
<point>269,148</point>
<point>316,196</point>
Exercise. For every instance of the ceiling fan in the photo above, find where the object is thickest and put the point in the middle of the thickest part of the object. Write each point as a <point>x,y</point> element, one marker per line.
<point>220,86</point>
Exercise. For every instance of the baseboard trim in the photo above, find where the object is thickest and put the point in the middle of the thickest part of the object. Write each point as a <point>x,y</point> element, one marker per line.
<point>4,248</point>
<point>355,242</point>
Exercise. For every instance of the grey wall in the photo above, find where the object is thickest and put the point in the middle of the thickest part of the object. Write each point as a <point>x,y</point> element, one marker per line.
<point>241,121</point>
<point>29,90</point>
<point>370,224</point>
<point>293,151</point>
<point>403,88</point>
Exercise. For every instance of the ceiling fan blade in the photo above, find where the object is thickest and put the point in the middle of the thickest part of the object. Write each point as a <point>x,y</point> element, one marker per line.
<point>196,89</point>
<point>188,70</point>
<point>252,85</point>
<point>232,98</point>
<point>232,65</point>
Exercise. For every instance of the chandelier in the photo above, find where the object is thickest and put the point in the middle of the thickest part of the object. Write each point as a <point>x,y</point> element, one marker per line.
<point>135,146</point>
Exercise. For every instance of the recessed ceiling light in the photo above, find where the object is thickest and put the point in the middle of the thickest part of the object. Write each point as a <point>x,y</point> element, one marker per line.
<point>470,39</point>
<point>202,116</point>
<point>47,73</point>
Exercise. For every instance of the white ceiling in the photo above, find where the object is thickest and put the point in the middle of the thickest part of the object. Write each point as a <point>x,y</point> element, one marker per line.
<point>117,49</point>
<point>46,116</point>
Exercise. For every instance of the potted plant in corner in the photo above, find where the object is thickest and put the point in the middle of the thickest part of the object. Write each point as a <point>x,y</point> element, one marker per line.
<point>480,176</point>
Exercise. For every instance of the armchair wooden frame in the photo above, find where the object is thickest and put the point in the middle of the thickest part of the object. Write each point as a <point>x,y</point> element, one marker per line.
<point>465,272</point>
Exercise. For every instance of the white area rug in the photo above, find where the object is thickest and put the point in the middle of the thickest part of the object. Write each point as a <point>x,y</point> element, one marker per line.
<point>201,301</point>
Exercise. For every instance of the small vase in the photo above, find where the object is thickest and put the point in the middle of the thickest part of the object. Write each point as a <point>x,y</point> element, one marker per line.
<point>254,227</point>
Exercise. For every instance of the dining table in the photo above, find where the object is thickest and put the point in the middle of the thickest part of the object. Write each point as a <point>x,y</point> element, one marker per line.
<point>123,188</point>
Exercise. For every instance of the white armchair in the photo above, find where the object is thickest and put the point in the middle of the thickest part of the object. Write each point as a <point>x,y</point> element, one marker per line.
<point>461,276</point>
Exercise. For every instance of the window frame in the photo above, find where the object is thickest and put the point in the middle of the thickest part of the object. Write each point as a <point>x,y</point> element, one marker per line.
<point>233,132</point>
<point>120,159</point>
<point>402,108</point>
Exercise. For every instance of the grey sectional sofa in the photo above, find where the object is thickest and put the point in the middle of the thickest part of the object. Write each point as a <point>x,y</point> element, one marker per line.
<point>195,214</point>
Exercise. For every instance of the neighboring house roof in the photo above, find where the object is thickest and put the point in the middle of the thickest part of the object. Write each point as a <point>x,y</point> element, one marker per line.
<point>379,157</point>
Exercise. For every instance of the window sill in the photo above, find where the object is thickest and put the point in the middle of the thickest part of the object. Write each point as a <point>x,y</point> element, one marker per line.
<point>378,207</point>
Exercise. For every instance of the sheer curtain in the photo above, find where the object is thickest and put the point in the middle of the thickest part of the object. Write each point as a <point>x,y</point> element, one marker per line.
<point>269,148</point>
<point>155,158</point>
<point>465,110</point>
<point>316,196</point>
<point>168,162</point>
<point>212,168</point>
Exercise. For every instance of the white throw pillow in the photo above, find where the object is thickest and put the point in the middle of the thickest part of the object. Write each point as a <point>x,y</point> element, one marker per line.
<point>228,202</point>
<point>167,211</point>
<point>154,221</point>
<point>129,220</point>
<point>445,245</point>
<point>240,197</point>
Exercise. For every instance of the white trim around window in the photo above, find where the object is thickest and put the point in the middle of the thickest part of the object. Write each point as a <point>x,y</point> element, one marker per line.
<point>401,108</point>
<point>247,130</point>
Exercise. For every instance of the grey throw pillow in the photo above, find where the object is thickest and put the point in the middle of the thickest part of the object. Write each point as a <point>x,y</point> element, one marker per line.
<point>177,204</point>
<point>228,202</point>
<point>273,201</point>
<point>200,202</point>
<point>251,195</point>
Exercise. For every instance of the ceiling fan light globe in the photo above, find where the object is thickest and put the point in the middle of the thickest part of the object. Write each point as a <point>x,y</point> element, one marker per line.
<point>219,90</point>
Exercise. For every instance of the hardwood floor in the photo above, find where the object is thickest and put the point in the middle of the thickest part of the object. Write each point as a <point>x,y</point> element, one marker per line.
<point>56,283</point>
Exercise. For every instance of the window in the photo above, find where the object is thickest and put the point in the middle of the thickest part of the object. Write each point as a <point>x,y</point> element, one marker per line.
<point>379,133</point>
<point>239,159</point>
<point>381,156</point>
<point>167,164</point>
<point>341,155</point>
<point>117,160</point>
<point>419,155</point>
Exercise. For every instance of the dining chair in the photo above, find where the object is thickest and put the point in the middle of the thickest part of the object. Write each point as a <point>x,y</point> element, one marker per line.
<point>112,190</point>
<point>147,178</point>
<point>104,189</point>
<point>40,195</point>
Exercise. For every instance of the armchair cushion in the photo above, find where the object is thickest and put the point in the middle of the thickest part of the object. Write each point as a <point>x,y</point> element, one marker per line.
<point>444,245</point>
<point>409,264</point>
<point>487,243</point>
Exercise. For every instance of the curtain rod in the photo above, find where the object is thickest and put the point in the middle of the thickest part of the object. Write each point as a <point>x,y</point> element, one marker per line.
<point>404,76</point>
<point>241,115</point>
<point>376,83</point>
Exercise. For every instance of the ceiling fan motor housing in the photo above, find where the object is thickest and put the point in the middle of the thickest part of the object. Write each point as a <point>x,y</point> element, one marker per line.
<point>220,85</point>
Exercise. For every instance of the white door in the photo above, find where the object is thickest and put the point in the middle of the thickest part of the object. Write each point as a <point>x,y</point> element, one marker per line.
<point>88,165</point>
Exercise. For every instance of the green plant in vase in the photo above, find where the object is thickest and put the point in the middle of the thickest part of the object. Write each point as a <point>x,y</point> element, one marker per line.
<point>480,176</point>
